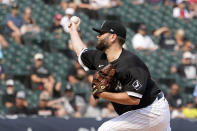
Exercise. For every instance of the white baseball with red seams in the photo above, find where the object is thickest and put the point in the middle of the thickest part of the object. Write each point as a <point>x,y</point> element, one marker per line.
<point>74,19</point>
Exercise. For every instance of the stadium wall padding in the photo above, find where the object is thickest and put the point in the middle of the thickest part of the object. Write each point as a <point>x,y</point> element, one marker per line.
<point>16,123</point>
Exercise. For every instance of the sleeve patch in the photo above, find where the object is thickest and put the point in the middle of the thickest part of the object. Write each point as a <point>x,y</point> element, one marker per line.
<point>137,85</point>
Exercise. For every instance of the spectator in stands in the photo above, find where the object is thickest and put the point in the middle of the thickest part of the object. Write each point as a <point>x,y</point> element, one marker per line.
<point>137,2</point>
<point>192,1</point>
<point>21,105</point>
<point>8,99</point>
<point>175,101</point>
<point>43,109</point>
<point>3,45</point>
<point>166,40</point>
<point>64,4</point>
<point>169,2</point>
<point>2,73</point>
<point>92,107</point>
<point>70,104</point>
<point>62,106</point>
<point>141,41</point>
<point>76,73</point>
<point>42,78</point>
<point>77,102</point>
<point>51,2</point>
<point>189,111</point>
<point>180,40</point>
<point>108,111</point>
<point>193,9</point>
<point>57,28</point>
<point>186,69</point>
<point>65,21</point>
<point>87,6</point>
<point>97,4</point>
<point>195,95</point>
<point>188,46</point>
<point>7,2</point>
<point>14,23</point>
<point>180,11</point>
<point>29,23</point>
<point>115,3</point>
<point>3,42</point>
<point>84,4</point>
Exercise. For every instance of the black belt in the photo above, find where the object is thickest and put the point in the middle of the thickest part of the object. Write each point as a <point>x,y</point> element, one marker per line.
<point>160,95</point>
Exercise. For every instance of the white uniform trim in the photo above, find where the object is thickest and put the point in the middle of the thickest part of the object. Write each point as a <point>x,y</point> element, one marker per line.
<point>81,62</point>
<point>134,94</point>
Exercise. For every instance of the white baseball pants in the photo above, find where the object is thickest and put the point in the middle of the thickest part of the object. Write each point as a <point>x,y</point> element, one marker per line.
<point>155,117</point>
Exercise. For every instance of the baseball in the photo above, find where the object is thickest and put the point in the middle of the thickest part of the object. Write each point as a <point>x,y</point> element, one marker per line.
<point>74,19</point>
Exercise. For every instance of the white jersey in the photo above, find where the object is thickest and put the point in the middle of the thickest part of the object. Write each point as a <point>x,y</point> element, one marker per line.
<point>65,22</point>
<point>143,42</point>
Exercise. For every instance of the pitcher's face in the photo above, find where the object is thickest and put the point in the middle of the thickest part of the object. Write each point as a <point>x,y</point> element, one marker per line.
<point>103,41</point>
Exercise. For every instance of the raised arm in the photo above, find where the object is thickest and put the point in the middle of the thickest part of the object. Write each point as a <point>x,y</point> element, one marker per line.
<point>160,31</point>
<point>76,41</point>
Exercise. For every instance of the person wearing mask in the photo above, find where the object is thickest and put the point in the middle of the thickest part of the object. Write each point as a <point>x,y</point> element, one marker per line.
<point>43,109</point>
<point>70,104</point>
<point>175,101</point>
<point>21,105</point>
<point>8,99</point>
<point>186,69</point>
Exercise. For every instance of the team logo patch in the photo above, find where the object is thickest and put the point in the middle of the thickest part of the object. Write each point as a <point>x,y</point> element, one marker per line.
<point>111,30</point>
<point>137,85</point>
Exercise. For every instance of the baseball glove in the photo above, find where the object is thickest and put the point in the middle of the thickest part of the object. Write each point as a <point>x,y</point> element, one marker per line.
<point>104,80</point>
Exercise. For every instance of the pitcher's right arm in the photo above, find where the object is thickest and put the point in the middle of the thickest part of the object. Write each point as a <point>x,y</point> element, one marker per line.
<point>76,41</point>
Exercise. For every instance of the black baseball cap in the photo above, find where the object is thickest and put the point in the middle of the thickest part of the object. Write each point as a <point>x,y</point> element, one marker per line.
<point>143,27</point>
<point>68,88</point>
<point>113,27</point>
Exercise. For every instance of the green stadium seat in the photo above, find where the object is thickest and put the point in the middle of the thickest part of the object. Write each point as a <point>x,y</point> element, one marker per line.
<point>82,90</point>
<point>164,88</point>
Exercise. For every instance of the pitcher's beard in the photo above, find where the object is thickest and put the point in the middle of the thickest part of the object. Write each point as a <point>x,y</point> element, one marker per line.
<point>102,45</point>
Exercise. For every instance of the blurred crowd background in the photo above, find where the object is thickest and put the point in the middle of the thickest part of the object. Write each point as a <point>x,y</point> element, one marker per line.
<point>39,72</point>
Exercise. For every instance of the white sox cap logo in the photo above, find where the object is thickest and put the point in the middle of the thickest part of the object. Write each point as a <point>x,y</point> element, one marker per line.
<point>103,24</point>
<point>137,85</point>
<point>111,30</point>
